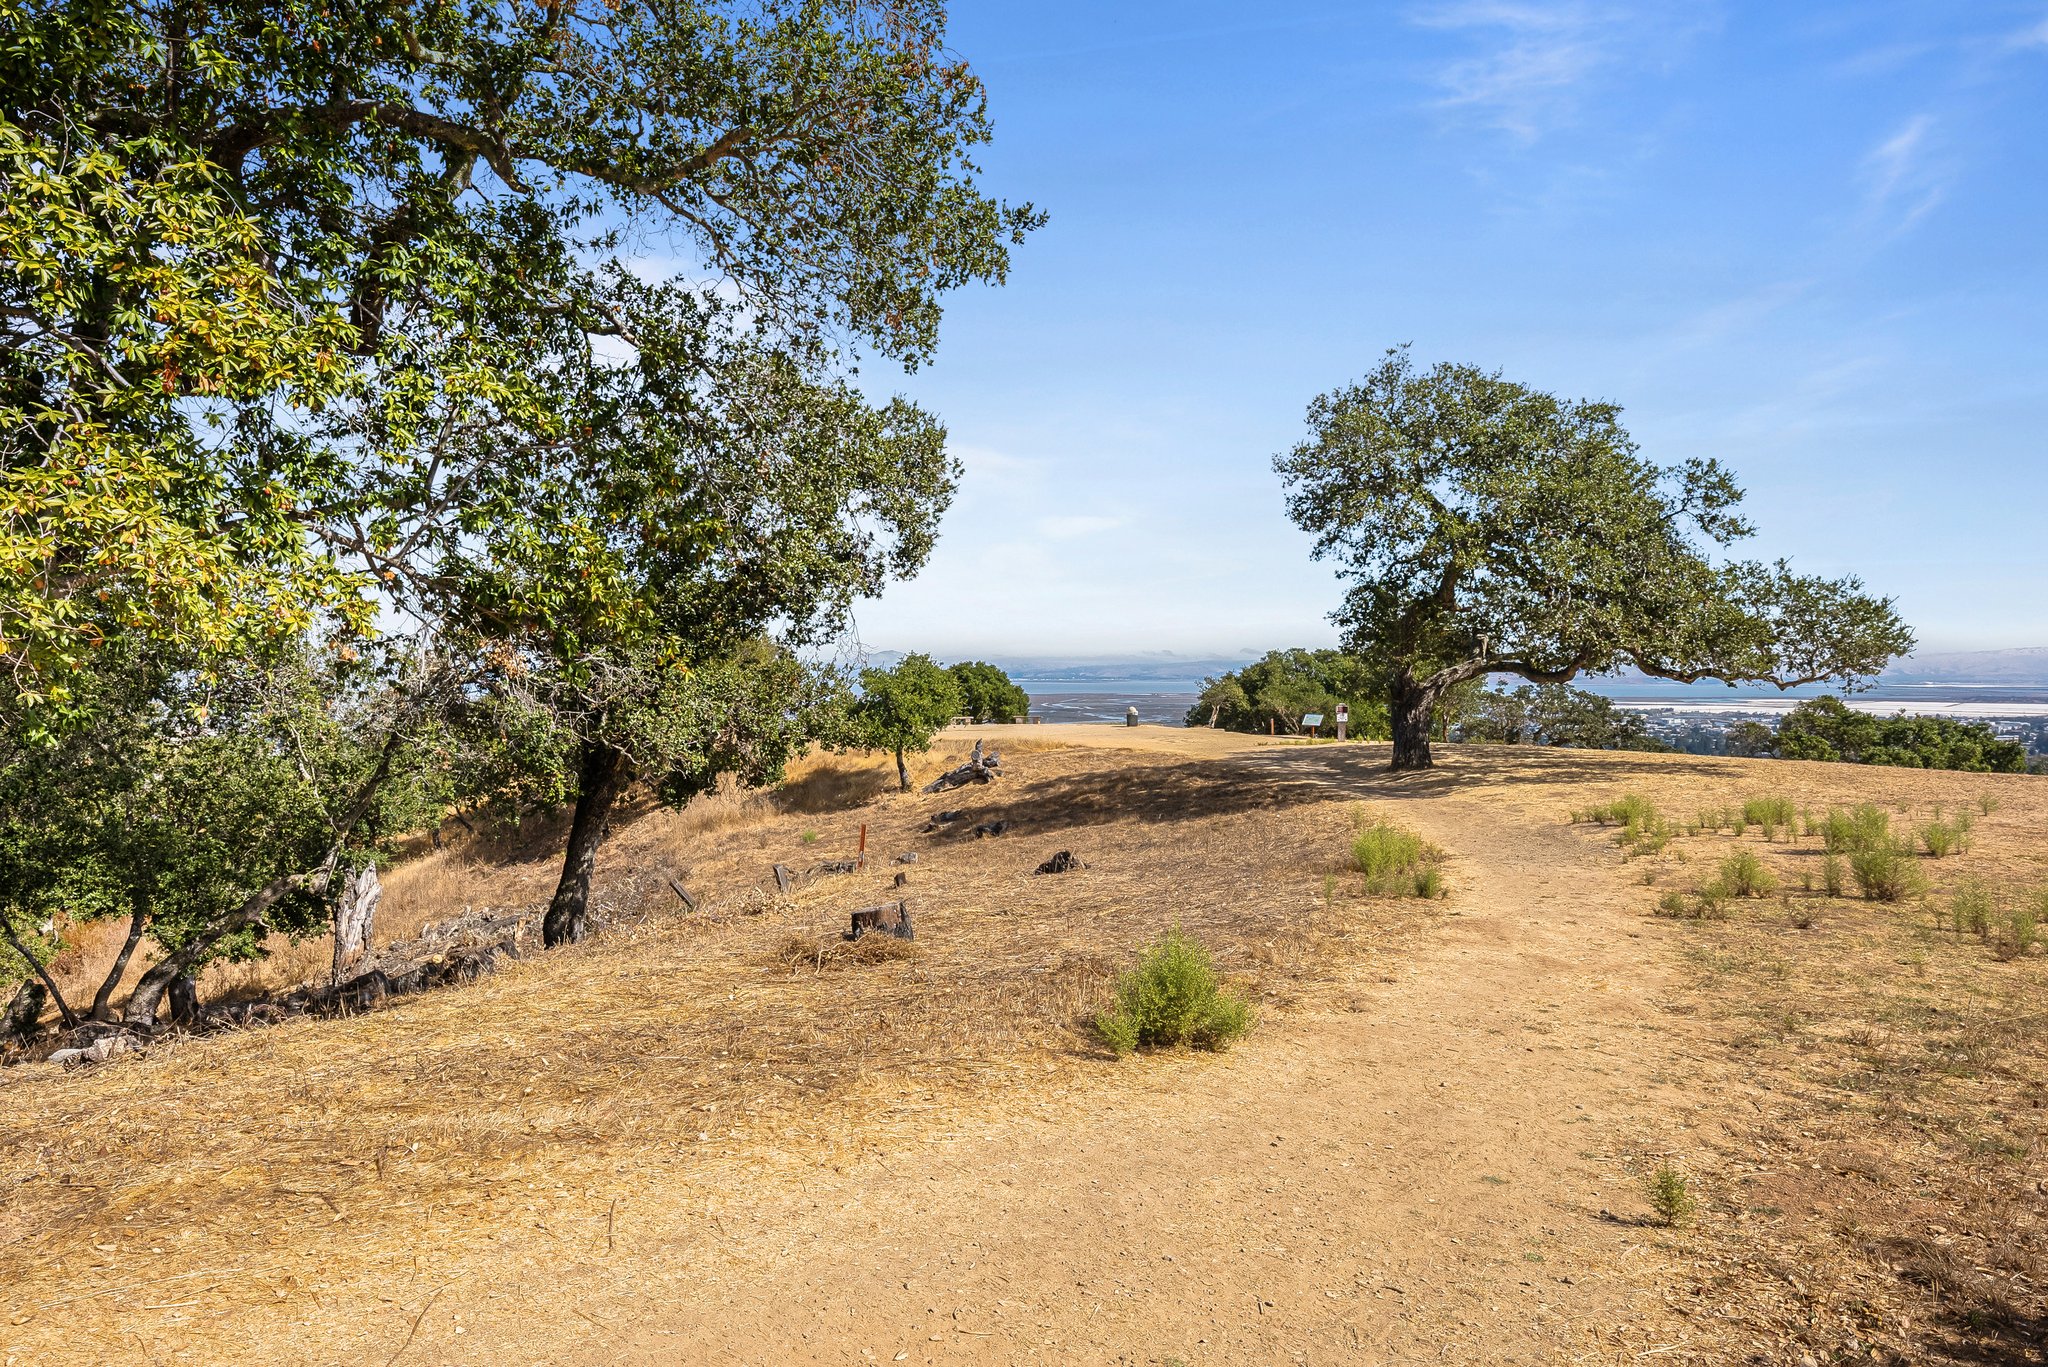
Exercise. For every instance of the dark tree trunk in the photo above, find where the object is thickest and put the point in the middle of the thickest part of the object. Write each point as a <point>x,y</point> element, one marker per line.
<point>103,1001</point>
<point>1409,708</point>
<point>49,983</point>
<point>603,775</point>
<point>902,770</point>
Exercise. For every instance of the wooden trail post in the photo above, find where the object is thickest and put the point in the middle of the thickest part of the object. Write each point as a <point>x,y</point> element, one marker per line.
<point>860,859</point>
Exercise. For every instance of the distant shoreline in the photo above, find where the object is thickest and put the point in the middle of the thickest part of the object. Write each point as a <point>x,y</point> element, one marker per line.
<point>1159,702</point>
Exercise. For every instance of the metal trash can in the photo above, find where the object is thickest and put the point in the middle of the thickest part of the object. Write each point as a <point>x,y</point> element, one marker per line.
<point>1130,716</point>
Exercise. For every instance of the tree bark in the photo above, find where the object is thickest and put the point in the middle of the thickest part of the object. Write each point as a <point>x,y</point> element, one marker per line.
<point>148,995</point>
<point>603,775</point>
<point>355,913</point>
<point>103,1001</point>
<point>902,770</point>
<point>1409,708</point>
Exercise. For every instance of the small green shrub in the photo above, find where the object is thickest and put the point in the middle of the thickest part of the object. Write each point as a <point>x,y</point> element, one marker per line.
<point>1744,875</point>
<point>1383,849</point>
<point>2024,922</point>
<point>1888,872</point>
<point>1970,907</point>
<point>1628,810</point>
<point>1671,1195</point>
<point>1944,838</point>
<point>1396,862</point>
<point>1832,876</point>
<point>1673,903</point>
<point>1987,804</point>
<point>1173,998</point>
<point>1846,831</point>
<point>1769,812</point>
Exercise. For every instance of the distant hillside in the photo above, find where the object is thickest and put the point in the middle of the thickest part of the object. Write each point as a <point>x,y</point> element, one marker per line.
<point>2023,665</point>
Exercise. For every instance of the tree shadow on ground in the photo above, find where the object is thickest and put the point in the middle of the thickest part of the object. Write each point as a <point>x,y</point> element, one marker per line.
<point>1276,779</point>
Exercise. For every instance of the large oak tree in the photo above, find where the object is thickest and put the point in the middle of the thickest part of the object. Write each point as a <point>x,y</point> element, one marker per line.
<point>1489,528</point>
<point>269,259</point>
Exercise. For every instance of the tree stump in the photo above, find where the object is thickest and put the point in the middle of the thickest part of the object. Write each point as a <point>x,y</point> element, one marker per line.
<point>892,918</point>
<point>24,1019</point>
<point>354,911</point>
<point>184,1002</point>
<point>784,884</point>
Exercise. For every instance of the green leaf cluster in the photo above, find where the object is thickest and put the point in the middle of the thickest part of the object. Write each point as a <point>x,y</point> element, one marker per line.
<point>1826,728</point>
<point>902,707</point>
<point>1280,689</point>
<point>1490,528</point>
<point>1554,714</point>
<point>987,694</point>
<point>319,310</point>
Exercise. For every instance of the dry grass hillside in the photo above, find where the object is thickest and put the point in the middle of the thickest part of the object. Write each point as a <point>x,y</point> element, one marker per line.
<point>1851,1090</point>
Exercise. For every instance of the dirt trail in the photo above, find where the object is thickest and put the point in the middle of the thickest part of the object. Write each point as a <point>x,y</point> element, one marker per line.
<point>1420,1178</point>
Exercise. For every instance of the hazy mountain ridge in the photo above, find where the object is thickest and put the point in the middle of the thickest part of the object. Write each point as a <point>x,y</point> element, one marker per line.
<point>2018,665</point>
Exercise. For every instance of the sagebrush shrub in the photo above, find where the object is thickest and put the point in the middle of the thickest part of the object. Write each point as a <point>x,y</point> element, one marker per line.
<point>1944,838</point>
<point>1744,875</point>
<point>1173,998</point>
<point>1888,872</point>
<point>1671,1195</point>
<point>1383,849</point>
<point>1971,906</point>
<point>1396,862</point>
<point>1832,877</point>
<point>1769,813</point>
<point>1846,831</point>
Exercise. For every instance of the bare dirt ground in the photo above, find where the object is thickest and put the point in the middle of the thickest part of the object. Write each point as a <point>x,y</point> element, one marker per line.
<point>1431,1151</point>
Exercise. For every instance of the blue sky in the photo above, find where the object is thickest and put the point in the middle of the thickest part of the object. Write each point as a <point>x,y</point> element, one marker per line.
<point>1810,240</point>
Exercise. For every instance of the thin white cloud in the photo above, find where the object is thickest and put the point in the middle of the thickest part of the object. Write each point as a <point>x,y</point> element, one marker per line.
<point>988,471</point>
<point>1067,527</point>
<point>2034,36</point>
<point>1535,61</point>
<point>1905,177</point>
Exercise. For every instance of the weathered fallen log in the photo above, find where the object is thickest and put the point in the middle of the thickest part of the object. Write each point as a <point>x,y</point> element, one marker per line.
<point>977,770</point>
<point>989,828</point>
<point>832,866</point>
<point>675,885</point>
<point>892,918</point>
<point>1063,862</point>
<point>364,992</point>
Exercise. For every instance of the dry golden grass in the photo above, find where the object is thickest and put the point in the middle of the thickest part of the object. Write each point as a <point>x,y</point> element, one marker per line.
<point>504,866</point>
<point>1884,1182</point>
<point>674,1047</point>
